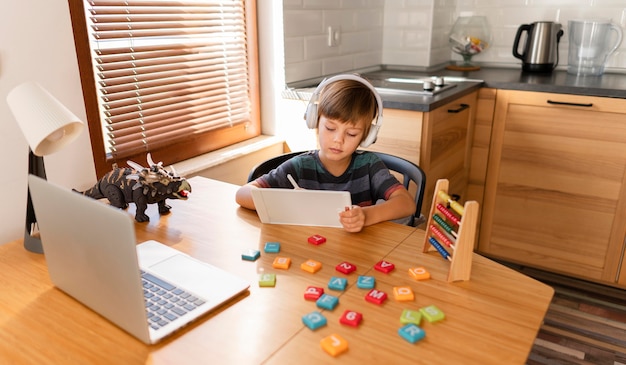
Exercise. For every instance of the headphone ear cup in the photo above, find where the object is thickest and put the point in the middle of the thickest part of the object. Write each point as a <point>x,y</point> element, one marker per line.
<point>372,135</point>
<point>311,116</point>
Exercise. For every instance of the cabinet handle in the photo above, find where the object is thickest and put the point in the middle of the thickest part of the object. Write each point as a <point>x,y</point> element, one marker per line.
<point>460,109</point>
<point>586,105</point>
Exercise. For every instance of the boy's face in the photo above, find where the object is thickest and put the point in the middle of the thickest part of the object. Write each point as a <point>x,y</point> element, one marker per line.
<point>338,140</point>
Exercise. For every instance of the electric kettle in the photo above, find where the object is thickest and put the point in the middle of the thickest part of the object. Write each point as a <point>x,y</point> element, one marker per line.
<point>541,51</point>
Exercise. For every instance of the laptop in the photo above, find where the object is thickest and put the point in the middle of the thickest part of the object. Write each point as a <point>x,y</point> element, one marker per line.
<point>92,255</point>
<point>300,206</point>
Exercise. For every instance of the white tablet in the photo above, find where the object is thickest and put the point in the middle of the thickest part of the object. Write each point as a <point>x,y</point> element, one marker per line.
<point>300,206</point>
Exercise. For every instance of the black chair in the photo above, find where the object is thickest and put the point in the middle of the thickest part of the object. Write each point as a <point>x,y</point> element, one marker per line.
<point>410,173</point>
<point>270,164</point>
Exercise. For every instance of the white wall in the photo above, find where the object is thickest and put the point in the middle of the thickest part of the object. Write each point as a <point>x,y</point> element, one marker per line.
<point>508,15</point>
<point>414,32</point>
<point>307,54</point>
<point>36,44</point>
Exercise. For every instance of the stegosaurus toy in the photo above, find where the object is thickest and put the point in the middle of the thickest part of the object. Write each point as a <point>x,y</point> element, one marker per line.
<point>142,186</point>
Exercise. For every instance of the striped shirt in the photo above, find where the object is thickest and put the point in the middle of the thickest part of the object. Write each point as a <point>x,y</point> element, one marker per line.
<point>367,178</point>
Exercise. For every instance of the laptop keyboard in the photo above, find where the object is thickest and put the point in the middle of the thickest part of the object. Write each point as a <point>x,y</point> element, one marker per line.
<point>165,302</point>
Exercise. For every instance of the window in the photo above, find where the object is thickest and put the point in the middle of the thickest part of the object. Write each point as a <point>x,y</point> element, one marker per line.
<point>176,78</point>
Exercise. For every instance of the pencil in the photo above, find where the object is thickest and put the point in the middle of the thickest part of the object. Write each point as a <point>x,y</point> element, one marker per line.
<point>293,182</point>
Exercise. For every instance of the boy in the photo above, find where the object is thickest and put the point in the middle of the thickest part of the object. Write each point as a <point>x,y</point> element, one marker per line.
<point>347,106</point>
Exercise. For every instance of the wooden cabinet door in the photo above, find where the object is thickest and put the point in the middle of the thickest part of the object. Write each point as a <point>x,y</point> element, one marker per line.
<point>621,280</point>
<point>483,121</point>
<point>554,194</point>
<point>400,134</point>
<point>447,133</point>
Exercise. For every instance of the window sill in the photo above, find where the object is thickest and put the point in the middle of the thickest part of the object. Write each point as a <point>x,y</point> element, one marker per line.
<point>194,165</point>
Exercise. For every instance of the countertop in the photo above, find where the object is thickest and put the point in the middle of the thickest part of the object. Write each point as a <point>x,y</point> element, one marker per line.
<point>607,85</point>
<point>402,99</point>
<point>558,81</point>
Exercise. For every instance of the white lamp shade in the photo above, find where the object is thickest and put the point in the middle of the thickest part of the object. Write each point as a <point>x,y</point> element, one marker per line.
<point>46,124</point>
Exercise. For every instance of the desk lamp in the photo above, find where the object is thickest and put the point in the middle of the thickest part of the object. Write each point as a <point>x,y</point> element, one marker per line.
<point>47,126</point>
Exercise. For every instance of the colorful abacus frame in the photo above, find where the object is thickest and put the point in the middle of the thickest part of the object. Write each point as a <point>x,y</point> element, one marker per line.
<point>454,246</point>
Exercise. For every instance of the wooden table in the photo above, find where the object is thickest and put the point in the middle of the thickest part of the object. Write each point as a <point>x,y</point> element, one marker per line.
<point>491,319</point>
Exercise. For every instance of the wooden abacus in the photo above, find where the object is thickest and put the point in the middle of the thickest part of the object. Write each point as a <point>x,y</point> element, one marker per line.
<point>445,215</point>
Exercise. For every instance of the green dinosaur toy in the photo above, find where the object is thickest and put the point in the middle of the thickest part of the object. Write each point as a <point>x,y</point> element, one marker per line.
<point>142,186</point>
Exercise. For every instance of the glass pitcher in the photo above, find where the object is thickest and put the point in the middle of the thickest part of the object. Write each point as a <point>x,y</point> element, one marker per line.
<point>591,42</point>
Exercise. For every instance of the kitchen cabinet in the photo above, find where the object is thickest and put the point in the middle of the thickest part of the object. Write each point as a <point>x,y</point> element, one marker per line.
<point>555,184</point>
<point>483,121</point>
<point>439,141</point>
<point>445,151</point>
<point>401,134</point>
<point>621,280</point>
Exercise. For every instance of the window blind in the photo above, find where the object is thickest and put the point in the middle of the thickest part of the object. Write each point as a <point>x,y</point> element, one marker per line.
<point>168,71</point>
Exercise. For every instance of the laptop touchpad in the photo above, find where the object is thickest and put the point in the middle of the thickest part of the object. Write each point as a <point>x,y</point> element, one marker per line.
<point>198,277</point>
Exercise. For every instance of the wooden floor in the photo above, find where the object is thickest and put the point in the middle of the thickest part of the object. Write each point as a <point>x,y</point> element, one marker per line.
<point>585,324</point>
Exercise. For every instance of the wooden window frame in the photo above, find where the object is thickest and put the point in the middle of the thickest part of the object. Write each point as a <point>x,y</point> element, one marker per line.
<point>193,146</point>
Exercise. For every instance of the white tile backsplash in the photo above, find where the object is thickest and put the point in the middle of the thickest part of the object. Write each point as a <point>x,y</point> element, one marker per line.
<point>414,32</point>
<point>306,23</point>
<point>508,15</point>
<point>408,32</point>
<point>301,23</point>
<point>294,50</point>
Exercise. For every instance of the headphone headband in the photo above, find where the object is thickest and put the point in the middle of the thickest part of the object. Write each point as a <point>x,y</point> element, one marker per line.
<point>311,114</point>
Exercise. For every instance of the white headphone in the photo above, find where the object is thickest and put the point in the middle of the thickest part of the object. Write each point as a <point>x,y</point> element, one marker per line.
<point>311,110</point>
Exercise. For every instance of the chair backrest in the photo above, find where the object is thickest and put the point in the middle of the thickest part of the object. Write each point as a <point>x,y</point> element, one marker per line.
<point>270,164</point>
<point>410,173</point>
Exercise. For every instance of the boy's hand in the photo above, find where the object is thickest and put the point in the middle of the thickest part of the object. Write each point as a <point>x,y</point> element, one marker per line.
<point>352,218</point>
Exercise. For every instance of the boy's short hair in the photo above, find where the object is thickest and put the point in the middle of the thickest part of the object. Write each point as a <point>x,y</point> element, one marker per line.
<point>348,101</point>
